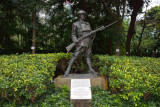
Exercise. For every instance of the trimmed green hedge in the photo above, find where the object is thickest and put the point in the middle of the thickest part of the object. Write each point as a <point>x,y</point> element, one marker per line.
<point>27,76</point>
<point>132,79</point>
<point>52,98</point>
<point>135,78</point>
<point>103,98</point>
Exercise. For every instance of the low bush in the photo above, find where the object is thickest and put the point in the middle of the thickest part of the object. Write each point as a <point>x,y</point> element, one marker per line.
<point>28,77</point>
<point>52,98</point>
<point>60,98</point>
<point>103,98</point>
<point>135,78</point>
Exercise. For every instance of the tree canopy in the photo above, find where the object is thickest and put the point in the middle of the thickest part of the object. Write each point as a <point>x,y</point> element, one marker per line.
<point>23,27</point>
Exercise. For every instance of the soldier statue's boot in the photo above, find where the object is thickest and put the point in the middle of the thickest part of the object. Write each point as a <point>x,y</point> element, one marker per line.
<point>90,70</point>
<point>69,66</point>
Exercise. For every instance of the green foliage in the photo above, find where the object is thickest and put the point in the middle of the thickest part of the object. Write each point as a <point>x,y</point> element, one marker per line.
<point>27,76</point>
<point>152,24</point>
<point>59,99</point>
<point>151,35</point>
<point>52,98</point>
<point>153,13</point>
<point>55,34</point>
<point>135,78</point>
<point>103,98</point>
<point>149,43</point>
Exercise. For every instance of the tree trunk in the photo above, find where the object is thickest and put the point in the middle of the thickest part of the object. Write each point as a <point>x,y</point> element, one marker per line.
<point>136,4</point>
<point>140,38</point>
<point>110,46</point>
<point>118,42</point>
<point>2,40</point>
<point>107,11</point>
<point>3,43</point>
<point>34,31</point>
<point>131,32</point>
<point>116,17</point>
<point>5,37</point>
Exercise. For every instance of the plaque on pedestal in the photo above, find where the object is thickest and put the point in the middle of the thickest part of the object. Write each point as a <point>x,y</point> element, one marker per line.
<point>81,92</point>
<point>80,89</point>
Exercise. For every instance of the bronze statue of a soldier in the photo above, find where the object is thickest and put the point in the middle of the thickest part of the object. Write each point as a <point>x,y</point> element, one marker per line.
<point>79,29</point>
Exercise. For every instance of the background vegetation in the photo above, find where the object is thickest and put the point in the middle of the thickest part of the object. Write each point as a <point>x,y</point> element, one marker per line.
<point>22,26</point>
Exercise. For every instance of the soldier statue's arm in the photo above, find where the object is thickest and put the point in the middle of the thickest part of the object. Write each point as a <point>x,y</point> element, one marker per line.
<point>73,34</point>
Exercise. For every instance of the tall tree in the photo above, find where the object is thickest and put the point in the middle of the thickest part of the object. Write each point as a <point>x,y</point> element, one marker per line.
<point>7,24</point>
<point>34,29</point>
<point>140,38</point>
<point>119,7</point>
<point>153,25</point>
<point>136,5</point>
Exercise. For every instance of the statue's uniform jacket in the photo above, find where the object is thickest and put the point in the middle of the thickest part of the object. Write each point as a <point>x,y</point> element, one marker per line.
<point>79,29</point>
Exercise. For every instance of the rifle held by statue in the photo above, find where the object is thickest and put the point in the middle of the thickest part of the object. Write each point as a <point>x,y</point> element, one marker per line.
<point>69,47</point>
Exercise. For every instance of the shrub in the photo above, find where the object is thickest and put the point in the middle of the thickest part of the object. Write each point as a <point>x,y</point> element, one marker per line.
<point>58,99</point>
<point>27,76</point>
<point>53,98</point>
<point>103,98</point>
<point>133,77</point>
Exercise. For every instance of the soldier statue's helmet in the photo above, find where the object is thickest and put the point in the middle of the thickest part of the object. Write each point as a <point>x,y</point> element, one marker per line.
<point>81,12</point>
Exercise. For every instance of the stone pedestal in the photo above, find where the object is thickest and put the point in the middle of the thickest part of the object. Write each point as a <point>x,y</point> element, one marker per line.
<point>95,80</point>
<point>80,89</point>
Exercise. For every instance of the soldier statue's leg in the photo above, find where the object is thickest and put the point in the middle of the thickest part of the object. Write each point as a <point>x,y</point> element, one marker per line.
<point>70,65</point>
<point>90,69</point>
<point>75,55</point>
<point>88,53</point>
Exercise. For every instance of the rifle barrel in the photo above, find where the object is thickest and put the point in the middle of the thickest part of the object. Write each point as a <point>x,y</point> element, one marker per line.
<point>110,24</point>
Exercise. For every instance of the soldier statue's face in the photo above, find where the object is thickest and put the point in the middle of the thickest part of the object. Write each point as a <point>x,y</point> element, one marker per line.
<point>82,16</point>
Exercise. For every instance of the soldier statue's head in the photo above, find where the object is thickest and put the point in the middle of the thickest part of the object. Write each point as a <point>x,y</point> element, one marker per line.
<point>81,14</point>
